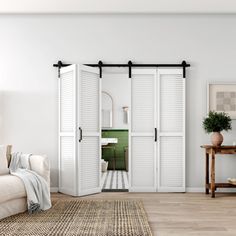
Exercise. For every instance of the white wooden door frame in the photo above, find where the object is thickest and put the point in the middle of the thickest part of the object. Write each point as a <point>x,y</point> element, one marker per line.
<point>89,134</point>
<point>73,134</point>
<point>136,134</point>
<point>171,134</point>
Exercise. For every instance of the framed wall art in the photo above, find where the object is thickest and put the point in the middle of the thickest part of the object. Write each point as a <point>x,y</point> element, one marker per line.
<point>222,98</point>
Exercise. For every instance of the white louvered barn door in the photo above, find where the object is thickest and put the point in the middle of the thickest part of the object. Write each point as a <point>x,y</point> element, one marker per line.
<point>142,133</point>
<point>171,130</point>
<point>89,87</point>
<point>67,131</point>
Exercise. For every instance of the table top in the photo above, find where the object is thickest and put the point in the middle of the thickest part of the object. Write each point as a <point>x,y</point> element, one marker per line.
<point>109,146</point>
<point>219,147</point>
<point>106,141</point>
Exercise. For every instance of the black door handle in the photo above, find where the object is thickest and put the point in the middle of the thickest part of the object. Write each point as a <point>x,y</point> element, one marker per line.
<point>81,134</point>
<point>155,134</point>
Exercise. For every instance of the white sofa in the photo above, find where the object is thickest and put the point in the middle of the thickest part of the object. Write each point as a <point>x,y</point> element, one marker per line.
<point>12,190</point>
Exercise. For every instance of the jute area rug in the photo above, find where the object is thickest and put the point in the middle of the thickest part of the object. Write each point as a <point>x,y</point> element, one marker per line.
<point>81,217</point>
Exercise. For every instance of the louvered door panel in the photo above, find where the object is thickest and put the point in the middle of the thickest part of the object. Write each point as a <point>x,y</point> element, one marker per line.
<point>89,165</point>
<point>89,101</point>
<point>90,123</point>
<point>171,130</point>
<point>143,163</point>
<point>142,103</point>
<point>171,103</point>
<point>171,162</point>
<point>66,102</point>
<point>67,131</point>
<point>67,165</point>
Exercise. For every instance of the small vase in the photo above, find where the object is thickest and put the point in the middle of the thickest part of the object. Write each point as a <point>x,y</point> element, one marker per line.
<point>217,138</point>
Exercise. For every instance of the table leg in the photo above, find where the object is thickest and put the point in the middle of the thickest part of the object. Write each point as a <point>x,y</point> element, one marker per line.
<point>213,174</point>
<point>114,160</point>
<point>124,162</point>
<point>207,174</point>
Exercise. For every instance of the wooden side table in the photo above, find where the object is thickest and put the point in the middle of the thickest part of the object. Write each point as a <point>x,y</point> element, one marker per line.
<point>212,151</point>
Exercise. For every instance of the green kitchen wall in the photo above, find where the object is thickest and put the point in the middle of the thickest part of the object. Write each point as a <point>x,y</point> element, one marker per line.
<point>107,154</point>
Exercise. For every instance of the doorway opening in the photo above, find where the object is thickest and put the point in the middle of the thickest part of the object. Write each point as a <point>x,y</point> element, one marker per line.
<point>115,108</point>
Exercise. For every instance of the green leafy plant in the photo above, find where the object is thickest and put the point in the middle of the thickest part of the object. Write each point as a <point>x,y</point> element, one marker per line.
<point>216,122</point>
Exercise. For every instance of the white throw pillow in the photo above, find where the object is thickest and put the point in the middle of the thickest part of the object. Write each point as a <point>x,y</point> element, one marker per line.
<point>3,160</point>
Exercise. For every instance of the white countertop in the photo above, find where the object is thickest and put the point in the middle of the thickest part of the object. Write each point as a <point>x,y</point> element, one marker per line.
<point>106,141</point>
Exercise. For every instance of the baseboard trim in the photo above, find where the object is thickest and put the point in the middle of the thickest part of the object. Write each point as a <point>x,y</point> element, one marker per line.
<point>142,190</point>
<point>54,189</point>
<point>188,190</point>
<point>115,190</point>
<point>202,190</point>
<point>195,190</point>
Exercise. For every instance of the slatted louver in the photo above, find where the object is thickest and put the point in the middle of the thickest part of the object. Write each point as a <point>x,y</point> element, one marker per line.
<point>67,166</point>
<point>142,103</point>
<point>67,131</point>
<point>171,127</point>
<point>143,164</point>
<point>171,103</point>
<point>66,102</point>
<point>89,101</point>
<point>89,121</point>
<point>171,162</point>
<point>89,164</point>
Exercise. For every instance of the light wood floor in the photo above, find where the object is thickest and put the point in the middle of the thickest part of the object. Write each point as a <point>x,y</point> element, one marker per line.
<point>183,214</point>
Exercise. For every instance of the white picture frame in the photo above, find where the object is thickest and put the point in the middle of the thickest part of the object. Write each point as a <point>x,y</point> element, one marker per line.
<point>221,97</point>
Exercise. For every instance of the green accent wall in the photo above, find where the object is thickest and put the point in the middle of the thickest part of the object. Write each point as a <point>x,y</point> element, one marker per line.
<point>107,154</point>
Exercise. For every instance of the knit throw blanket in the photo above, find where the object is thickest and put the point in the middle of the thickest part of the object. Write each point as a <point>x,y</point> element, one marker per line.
<point>38,194</point>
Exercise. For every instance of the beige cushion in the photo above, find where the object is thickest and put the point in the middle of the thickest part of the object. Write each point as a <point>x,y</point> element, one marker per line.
<point>12,207</point>
<point>11,187</point>
<point>40,164</point>
<point>3,160</point>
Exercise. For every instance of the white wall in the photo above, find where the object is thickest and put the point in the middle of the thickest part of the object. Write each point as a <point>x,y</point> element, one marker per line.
<point>119,87</point>
<point>117,6</point>
<point>29,45</point>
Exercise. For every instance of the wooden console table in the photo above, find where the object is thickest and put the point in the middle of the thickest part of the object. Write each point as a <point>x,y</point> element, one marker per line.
<point>212,151</point>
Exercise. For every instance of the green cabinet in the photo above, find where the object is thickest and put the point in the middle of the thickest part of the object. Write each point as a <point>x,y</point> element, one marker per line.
<point>120,147</point>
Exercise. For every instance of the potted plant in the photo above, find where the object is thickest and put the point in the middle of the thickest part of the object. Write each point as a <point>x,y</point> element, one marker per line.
<point>216,122</point>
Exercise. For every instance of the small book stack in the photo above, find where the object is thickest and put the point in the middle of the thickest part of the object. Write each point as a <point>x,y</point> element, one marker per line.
<point>232,181</point>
